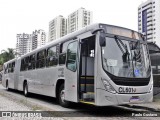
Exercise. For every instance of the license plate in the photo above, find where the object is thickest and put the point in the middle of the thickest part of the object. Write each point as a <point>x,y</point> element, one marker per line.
<point>134,99</point>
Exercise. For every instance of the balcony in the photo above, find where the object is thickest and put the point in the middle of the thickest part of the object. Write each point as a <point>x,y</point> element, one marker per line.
<point>146,7</point>
<point>149,27</point>
<point>149,10</point>
<point>149,19</point>
<point>149,14</point>
<point>149,31</point>
<point>149,36</point>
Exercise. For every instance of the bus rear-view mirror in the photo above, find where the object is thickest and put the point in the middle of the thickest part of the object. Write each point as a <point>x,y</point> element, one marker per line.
<point>102,40</point>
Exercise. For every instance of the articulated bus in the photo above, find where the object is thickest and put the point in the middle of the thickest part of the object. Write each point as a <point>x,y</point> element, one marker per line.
<point>100,65</point>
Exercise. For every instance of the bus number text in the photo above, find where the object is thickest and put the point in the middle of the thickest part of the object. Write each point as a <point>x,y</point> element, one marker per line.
<point>126,90</point>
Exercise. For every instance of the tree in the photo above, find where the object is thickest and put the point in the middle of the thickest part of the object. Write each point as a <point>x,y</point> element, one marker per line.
<point>7,55</point>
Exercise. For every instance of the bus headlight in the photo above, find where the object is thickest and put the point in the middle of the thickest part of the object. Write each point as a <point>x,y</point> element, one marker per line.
<point>108,86</point>
<point>151,88</point>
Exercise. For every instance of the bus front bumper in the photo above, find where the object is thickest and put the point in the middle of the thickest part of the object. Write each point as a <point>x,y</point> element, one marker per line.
<point>104,98</point>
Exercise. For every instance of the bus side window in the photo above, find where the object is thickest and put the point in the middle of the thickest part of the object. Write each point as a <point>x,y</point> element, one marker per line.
<point>22,65</point>
<point>26,63</point>
<point>71,56</point>
<point>9,68</point>
<point>32,62</point>
<point>62,53</point>
<point>51,59</point>
<point>5,69</point>
<point>12,67</point>
<point>29,63</point>
<point>41,59</point>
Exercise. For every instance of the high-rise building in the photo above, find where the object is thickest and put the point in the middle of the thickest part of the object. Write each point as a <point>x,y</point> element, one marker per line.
<point>57,28</point>
<point>28,42</point>
<point>23,45</point>
<point>149,20</point>
<point>60,26</point>
<point>38,38</point>
<point>78,20</point>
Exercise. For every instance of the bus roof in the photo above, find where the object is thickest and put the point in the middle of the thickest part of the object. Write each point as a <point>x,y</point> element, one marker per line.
<point>74,34</point>
<point>10,61</point>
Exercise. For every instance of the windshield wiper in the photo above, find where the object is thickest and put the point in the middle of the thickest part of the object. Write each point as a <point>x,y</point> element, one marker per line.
<point>123,48</point>
<point>118,41</point>
<point>125,53</point>
<point>134,46</point>
<point>137,43</point>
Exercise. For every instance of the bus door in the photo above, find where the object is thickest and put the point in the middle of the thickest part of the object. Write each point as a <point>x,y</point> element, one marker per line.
<point>86,78</point>
<point>71,77</point>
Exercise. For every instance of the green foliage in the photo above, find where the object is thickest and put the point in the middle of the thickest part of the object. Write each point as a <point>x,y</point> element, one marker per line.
<point>6,55</point>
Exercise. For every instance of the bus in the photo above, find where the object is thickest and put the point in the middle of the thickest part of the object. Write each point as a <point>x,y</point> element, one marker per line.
<point>99,65</point>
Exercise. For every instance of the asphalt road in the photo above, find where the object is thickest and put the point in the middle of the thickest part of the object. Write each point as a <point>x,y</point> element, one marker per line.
<point>44,103</point>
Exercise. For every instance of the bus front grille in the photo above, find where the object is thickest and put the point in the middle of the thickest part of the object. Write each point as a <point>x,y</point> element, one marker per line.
<point>131,81</point>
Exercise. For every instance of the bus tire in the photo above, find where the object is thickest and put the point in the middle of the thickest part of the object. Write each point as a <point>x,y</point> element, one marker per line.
<point>61,97</point>
<point>25,90</point>
<point>7,86</point>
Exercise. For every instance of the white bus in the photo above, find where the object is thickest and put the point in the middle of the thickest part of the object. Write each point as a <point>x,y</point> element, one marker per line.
<point>100,64</point>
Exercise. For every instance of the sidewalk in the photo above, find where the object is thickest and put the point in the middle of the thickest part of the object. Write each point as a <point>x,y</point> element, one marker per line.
<point>7,104</point>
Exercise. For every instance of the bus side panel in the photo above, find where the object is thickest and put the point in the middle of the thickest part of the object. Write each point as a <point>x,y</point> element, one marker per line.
<point>40,81</point>
<point>50,80</point>
<point>16,74</point>
<point>3,77</point>
<point>20,82</point>
<point>30,77</point>
<point>10,78</point>
<point>46,80</point>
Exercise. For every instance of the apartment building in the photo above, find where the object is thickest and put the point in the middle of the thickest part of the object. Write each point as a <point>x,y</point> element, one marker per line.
<point>149,20</point>
<point>23,44</point>
<point>57,28</point>
<point>79,19</point>
<point>38,38</point>
<point>61,26</point>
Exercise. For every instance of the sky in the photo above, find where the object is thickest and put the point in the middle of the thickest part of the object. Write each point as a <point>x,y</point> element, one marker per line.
<point>25,16</point>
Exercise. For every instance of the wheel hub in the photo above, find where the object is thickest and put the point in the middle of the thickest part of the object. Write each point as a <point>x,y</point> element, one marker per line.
<point>25,90</point>
<point>62,94</point>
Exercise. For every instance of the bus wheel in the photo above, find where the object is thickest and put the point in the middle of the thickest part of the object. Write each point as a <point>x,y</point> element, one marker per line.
<point>61,97</point>
<point>7,86</point>
<point>25,89</point>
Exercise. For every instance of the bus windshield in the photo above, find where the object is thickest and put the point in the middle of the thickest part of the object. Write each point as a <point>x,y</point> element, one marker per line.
<point>125,58</point>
